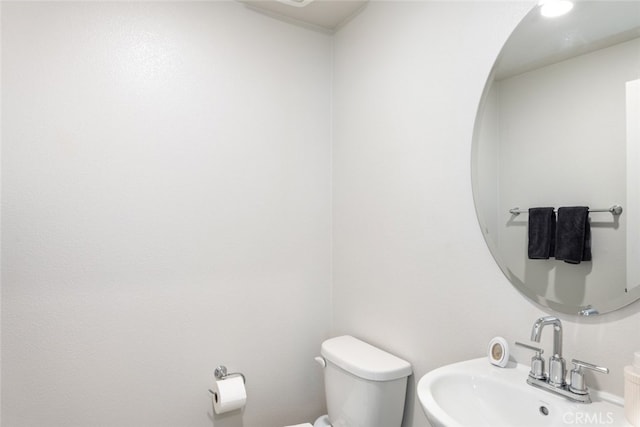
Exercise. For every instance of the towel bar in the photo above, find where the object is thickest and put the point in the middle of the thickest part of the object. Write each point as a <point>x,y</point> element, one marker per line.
<point>614,210</point>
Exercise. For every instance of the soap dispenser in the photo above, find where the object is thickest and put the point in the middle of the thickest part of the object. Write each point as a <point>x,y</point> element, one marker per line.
<point>632,391</point>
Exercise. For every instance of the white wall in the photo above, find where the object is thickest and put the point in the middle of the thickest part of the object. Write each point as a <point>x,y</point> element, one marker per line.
<point>411,270</point>
<point>1,116</point>
<point>165,196</point>
<point>633,177</point>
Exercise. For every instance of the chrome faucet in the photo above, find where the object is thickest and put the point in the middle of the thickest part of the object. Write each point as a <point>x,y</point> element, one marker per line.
<point>556,362</point>
<point>555,381</point>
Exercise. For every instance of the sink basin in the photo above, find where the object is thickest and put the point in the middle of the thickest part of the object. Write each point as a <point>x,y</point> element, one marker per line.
<point>476,393</point>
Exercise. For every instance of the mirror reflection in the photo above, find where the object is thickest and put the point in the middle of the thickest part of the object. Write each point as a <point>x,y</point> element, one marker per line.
<point>559,127</point>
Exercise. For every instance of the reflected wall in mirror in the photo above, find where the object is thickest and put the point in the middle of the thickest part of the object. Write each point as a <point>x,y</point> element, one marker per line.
<point>559,126</point>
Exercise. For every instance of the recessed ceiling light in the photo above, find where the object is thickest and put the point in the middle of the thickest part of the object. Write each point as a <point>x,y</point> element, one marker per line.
<point>554,8</point>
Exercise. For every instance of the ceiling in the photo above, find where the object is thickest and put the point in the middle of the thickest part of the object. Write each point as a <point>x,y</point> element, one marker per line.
<point>590,26</point>
<point>537,41</point>
<point>323,15</point>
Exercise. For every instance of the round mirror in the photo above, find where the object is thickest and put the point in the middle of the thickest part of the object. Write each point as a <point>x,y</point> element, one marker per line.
<point>559,126</point>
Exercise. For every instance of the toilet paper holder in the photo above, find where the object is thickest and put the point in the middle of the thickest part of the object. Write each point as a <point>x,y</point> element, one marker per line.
<point>229,395</point>
<point>221,374</point>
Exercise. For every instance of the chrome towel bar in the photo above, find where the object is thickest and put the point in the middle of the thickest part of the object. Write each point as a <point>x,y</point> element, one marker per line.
<point>614,210</point>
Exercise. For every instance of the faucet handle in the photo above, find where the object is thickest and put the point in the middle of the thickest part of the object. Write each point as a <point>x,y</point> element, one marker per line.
<point>578,385</point>
<point>537,362</point>
<point>530,347</point>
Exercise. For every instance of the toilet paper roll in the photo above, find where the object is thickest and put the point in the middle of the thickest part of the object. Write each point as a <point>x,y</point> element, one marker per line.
<point>228,395</point>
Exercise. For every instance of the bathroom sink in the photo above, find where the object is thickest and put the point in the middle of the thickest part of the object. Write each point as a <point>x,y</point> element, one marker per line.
<point>476,393</point>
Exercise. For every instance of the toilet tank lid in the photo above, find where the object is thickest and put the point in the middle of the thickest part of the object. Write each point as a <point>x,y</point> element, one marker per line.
<point>364,360</point>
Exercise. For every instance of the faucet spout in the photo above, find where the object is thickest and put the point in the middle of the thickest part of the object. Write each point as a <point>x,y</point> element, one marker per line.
<point>536,332</point>
<point>556,362</point>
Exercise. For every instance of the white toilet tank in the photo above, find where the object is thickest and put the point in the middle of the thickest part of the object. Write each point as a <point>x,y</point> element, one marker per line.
<point>364,386</point>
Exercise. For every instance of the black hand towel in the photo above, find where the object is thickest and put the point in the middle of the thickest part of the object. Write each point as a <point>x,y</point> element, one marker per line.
<point>542,233</point>
<point>573,235</point>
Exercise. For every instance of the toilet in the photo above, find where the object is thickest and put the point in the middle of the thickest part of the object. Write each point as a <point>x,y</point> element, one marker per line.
<point>364,386</point>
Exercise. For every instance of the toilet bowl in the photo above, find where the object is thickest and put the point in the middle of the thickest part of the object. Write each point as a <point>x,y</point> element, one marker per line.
<point>364,385</point>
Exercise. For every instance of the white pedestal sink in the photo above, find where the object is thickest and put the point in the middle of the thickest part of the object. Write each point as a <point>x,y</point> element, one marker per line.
<point>475,393</point>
